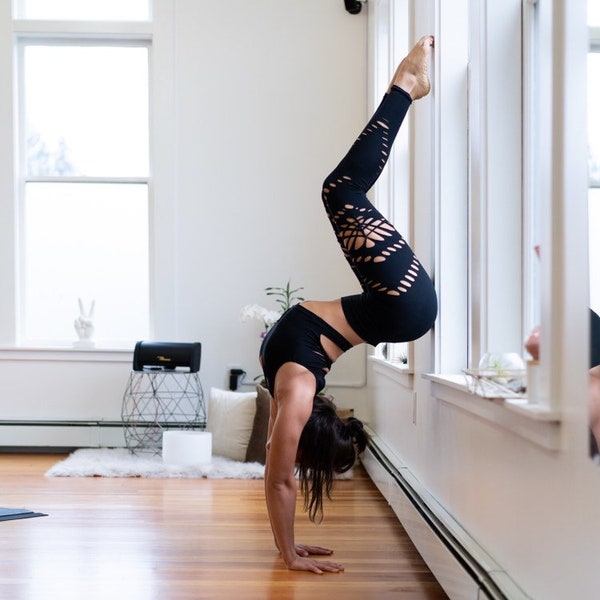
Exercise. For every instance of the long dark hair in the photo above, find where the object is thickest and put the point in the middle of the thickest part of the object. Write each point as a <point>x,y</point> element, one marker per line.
<point>328,445</point>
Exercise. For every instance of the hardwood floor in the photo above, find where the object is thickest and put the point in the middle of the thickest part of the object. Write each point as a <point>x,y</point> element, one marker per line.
<point>171,539</point>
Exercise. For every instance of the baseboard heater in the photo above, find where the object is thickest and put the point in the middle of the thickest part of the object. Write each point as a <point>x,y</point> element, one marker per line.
<point>58,436</point>
<point>65,435</point>
<point>461,566</point>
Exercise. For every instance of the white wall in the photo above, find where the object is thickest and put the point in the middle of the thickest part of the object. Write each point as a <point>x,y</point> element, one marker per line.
<point>262,98</point>
<point>268,97</point>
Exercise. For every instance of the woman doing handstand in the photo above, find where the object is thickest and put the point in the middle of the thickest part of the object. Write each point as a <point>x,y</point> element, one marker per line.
<point>398,304</point>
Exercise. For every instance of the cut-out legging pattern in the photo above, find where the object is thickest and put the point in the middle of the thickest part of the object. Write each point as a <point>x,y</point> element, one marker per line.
<point>379,256</point>
<point>398,302</point>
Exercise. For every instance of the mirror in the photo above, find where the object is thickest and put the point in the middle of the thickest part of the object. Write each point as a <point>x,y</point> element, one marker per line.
<point>593,100</point>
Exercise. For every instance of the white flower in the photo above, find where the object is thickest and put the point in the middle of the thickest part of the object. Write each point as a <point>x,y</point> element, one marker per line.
<point>254,311</point>
<point>251,311</point>
<point>271,317</point>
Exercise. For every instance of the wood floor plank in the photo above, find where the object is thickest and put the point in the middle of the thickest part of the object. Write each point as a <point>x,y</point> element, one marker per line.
<point>179,539</point>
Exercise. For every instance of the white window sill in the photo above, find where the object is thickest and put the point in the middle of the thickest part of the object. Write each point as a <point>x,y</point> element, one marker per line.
<point>67,353</point>
<point>399,372</point>
<point>527,420</point>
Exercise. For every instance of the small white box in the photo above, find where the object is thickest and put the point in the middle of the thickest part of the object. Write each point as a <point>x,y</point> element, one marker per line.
<point>187,448</point>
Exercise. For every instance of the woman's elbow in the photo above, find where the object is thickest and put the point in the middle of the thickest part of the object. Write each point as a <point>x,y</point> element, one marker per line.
<point>281,484</point>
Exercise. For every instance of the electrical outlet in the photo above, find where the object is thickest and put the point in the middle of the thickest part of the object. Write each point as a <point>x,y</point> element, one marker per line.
<point>235,375</point>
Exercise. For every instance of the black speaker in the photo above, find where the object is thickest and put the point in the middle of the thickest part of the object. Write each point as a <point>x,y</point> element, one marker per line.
<point>167,356</point>
<point>353,6</point>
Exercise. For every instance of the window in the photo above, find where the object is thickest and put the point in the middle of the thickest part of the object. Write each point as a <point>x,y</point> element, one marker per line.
<point>488,163</point>
<point>83,185</point>
<point>507,73</point>
<point>594,152</point>
<point>536,142</point>
<point>496,170</point>
<point>392,191</point>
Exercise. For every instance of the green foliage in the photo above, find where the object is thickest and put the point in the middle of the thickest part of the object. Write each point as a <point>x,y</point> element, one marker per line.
<point>285,296</point>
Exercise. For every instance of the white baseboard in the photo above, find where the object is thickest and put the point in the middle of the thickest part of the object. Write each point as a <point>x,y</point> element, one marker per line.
<point>462,567</point>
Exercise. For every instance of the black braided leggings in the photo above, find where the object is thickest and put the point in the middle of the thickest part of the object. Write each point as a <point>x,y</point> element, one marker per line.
<point>398,301</point>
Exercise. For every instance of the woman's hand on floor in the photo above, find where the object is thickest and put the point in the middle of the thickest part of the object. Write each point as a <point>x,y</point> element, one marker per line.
<point>305,563</point>
<point>306,550</point>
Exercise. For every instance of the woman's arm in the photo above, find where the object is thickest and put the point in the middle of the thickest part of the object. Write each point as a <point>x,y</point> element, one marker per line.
<point>293,408</point>
<point>280,481</point>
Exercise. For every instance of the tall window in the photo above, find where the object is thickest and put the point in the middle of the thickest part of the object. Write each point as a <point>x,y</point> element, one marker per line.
<point>498,280</point>
<point>392,193</point>
<point>535,124</point>
<point>594,152</point>
<point>83,142</point>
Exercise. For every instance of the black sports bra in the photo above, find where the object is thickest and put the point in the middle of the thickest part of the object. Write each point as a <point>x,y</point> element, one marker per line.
<point>296,337</point>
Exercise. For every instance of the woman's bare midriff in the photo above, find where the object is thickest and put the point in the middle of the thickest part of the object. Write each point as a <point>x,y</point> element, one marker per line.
<point>332,313</point>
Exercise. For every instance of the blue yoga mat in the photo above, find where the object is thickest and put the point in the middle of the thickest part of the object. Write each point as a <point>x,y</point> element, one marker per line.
<point>8,514</point>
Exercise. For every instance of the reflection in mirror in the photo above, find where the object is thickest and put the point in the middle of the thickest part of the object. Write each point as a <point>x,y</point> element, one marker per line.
<point>593,100</point>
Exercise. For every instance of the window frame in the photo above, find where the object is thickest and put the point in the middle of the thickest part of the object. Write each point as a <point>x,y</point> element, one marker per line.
<point>594,47</point>
<point>536,144</point>
<point>491,267</point>
<point>159,31</point>
<point>392,28</point>
<point>455,129</point>
<point>538,418</point>
<point>496,167</point>
<point>21,42</point>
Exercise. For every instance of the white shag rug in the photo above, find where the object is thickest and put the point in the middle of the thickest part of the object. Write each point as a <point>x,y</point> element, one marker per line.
<point>120,462</point>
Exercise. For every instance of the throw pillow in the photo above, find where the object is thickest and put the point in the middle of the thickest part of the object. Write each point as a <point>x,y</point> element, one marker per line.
<point>257,451</point>
<point>230,418</point>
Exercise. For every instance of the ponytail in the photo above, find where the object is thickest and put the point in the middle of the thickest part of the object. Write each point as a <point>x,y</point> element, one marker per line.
<point>356,431</point>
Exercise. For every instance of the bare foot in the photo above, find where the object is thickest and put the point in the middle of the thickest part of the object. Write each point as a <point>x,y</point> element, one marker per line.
<point>411,74</point>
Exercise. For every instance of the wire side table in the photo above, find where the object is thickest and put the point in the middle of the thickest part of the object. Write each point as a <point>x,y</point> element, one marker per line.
<point>158,400</point>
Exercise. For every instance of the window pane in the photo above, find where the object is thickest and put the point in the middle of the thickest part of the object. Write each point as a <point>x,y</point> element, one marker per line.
<point>594,117</point>
<point>594,13</point>
<point>594,166</point>
<point>87,241</point>
<point>86,110</point>
<point>594,258</point>
<point>84,10</point>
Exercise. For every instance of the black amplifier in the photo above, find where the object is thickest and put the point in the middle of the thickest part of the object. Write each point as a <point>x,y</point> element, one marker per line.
<point>167,356</point>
